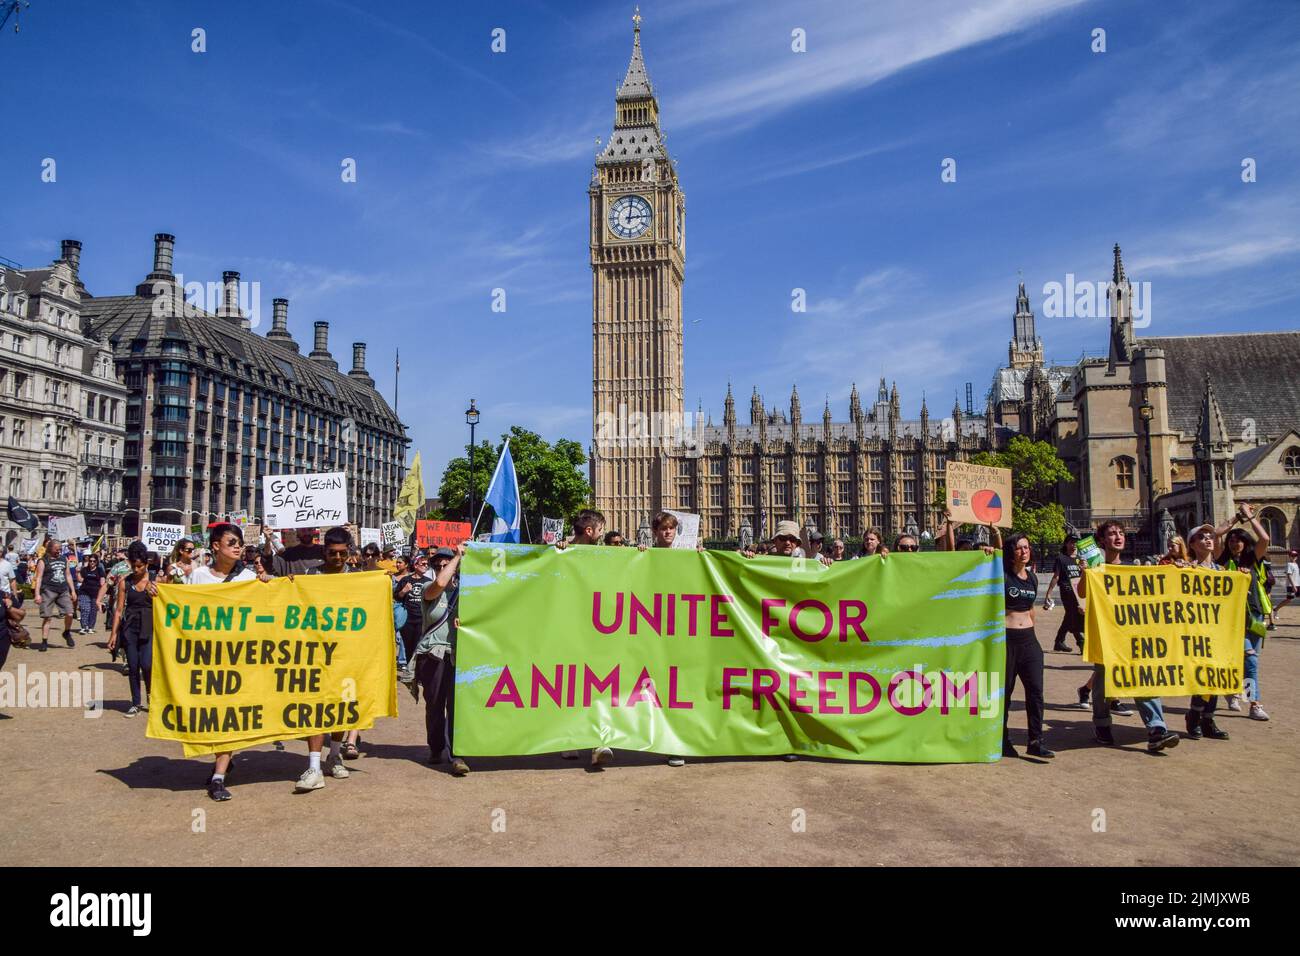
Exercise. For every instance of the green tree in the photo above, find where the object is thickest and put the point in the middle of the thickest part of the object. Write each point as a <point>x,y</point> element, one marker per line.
<point>1036,469</point>
<point>550,482</point>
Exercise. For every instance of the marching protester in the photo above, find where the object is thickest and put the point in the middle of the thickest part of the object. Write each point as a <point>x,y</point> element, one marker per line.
<point>588,527</point>
<point>133,624</point>
<point>400,570</point>
<point>1024,655</point>
<point>409,591</point>
<point>182,559</point>
<point>12,613</point>
<point>1066,571</point>
<point>336,549</point>
<point>93,584</point>
<point>226,542</point>
<point>56,591</point>
<point>9,572</point>
<point>1111,538</point>
<point>1244,554</point>
<point>873,543</point>
<point>435,659</point>
<point>1203,544</point>
<point>300,558</point>
<point>614,539</point>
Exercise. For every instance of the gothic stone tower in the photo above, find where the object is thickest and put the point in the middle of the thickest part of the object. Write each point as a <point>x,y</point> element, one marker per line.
<point>637,227</point>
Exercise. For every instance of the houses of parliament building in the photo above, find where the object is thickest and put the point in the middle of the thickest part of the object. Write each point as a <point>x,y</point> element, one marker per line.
<point>877,469</point>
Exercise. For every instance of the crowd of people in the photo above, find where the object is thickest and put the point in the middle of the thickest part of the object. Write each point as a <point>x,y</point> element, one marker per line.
<point>68,584</point>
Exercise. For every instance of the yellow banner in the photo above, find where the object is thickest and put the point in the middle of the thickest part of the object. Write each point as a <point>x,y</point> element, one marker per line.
<point>1166,631</point>
<point>237,665</point>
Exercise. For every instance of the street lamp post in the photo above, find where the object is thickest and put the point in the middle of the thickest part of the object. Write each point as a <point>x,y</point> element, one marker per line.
<point>1146,410</point>
<point>471,419</point>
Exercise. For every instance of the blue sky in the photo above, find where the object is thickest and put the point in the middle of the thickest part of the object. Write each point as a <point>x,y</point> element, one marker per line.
<point>816,170</point>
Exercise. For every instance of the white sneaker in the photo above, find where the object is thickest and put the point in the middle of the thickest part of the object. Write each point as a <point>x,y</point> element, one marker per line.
<point>310,780</point>
<point>1257,712</point>
<point>601,756</point>
<point>676,762</point>
<point>1234,702</point>
<point>336,769</point>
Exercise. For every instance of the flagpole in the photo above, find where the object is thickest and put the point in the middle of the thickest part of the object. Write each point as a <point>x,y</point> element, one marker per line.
<point>483,507</point>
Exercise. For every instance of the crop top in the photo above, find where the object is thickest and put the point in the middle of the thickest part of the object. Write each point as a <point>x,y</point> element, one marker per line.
<point>1020,594</point>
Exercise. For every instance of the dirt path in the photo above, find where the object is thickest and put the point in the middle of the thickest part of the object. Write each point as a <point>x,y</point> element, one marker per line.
<point>90,792</point>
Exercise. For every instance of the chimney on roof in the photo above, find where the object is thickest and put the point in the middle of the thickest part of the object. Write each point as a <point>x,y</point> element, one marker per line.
<point>230,301</point>
<point>359,364</point>
<point>279,333</point>
<point>321,353</point>
<point>158,281</point>
<point>164,245</point>
<point>72,254</point>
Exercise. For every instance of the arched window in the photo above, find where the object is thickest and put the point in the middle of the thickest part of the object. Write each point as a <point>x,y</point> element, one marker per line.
<point>1123,472</point>
<point>1275,524</point>
<point>1291,460</point>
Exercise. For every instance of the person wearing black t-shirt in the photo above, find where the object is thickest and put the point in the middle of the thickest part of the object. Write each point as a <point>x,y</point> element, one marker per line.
<point>1066,571</point>
<point>1024,655</point>
<point>409,590</point>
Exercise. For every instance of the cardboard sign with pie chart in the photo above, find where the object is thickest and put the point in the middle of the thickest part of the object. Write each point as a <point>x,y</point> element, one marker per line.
<point>979,494</point>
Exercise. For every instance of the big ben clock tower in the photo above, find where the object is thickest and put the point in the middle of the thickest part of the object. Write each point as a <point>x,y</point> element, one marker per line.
<point>638,236</point>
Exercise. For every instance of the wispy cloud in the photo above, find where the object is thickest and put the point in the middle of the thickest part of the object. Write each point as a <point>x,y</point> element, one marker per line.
<point>756,74</point>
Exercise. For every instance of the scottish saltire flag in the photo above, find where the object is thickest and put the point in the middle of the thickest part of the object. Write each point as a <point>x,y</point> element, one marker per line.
<point>503,496</point>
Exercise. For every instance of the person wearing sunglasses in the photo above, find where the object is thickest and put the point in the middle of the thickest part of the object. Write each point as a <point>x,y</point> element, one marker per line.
<point>182,559</point>
<point>226,542</point>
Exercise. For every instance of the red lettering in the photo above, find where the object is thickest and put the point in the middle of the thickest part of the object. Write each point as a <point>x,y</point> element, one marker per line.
<point>825,696</point>
<point>618,613</point>
<point>505,691</point>
<point>717,619</point>
<point>798,632</point>
<point>768,623</point>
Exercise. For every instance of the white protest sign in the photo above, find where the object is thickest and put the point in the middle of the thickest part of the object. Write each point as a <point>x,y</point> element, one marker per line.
<point>161,537</point>
<point>393,533</point>
<point>305,501</point>
<point>688,529</point>
<point>369,536</point>
<point>552,530</point>
<point>68,527</point>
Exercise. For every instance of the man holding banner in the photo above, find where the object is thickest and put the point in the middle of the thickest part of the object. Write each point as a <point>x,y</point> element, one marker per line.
<point>1158,630</point>
<point>251,662</point>
<point>337,544</point>
<point>435,658</point>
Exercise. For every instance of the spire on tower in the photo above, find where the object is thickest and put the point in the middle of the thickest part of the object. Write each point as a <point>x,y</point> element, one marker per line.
<point>1210,430</point>
<point>855,404</point>
<point>1117,275</point>
<point>636,84</point>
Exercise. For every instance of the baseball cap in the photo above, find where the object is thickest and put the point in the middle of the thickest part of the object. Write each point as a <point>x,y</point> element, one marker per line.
<point>815,536</point>
<point>442,553</point>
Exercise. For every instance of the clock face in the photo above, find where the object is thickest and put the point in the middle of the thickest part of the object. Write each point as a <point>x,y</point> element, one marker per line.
<point>629,217</point>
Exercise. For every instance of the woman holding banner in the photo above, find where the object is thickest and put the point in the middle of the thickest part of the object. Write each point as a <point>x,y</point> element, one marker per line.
<point>1202,545</point>
<point>1024,654</point>
<point>135,594</point>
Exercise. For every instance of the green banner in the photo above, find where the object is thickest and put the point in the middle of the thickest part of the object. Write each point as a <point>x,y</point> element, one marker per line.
<point>711,654</point>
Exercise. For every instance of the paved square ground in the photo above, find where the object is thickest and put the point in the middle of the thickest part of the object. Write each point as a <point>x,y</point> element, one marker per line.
<point>94,792</point>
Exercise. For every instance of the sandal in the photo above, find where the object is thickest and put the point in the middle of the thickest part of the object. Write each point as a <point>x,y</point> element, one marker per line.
<point>350,751</point>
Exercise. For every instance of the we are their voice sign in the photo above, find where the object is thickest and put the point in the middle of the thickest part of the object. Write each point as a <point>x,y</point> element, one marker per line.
<point>305,501</point>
